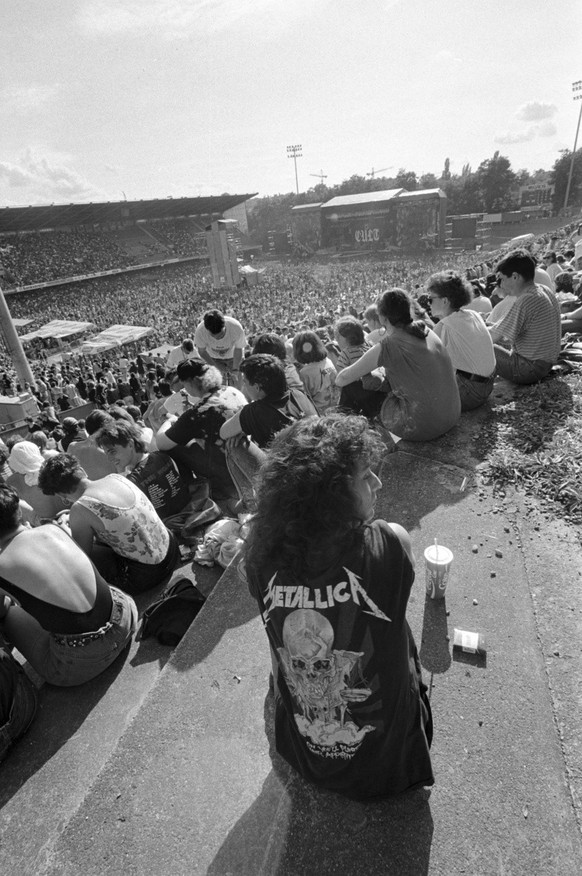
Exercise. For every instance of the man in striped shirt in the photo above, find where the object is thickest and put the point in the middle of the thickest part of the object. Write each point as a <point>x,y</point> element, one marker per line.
<point>531,328</point>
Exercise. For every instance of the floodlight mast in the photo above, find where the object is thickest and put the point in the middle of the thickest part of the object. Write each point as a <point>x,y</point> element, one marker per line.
<point>14,345</point>
<point>577,95</point>
<point>294,152</point>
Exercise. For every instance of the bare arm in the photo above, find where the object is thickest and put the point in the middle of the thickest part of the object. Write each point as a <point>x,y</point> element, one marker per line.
<point>231,428</point>
<point>205,355</point>
<point>359,369</point>
<point>237,358</point>
<point>81,529</point>
<point>574,314</point>
<point>162,440</point>
<point>404,539</point>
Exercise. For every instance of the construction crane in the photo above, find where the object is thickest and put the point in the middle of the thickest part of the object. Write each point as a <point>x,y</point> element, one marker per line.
<point>321,176</point>
<point>373,172</point>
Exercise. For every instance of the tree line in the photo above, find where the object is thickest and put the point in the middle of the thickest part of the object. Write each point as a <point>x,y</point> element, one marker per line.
<point>492,188</point>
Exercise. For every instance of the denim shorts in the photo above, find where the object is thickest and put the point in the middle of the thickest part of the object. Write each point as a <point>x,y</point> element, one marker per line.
<point>74,659</point>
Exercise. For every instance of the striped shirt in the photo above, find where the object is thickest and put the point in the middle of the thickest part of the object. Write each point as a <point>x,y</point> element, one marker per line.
<point>533,325</point>
<point>350,355</point>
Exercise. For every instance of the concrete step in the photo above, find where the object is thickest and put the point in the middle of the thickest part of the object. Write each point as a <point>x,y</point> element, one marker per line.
<point>49,772</point>
<point>167,766</point>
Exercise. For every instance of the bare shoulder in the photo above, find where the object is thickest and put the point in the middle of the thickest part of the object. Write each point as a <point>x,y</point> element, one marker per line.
<point>404,538</point>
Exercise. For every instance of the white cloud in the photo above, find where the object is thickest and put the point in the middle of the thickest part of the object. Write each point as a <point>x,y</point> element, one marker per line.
<point>180,19</point>
<point>534,111</point>
<point>42,179</point>
<point>519,137</point>
<point>547,129</point>
<point>446,58</point>
<point>25,98</point>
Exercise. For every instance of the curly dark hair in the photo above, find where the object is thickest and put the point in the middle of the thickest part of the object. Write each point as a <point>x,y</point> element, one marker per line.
<point>214,321</point>
<point>60,474</point>
<point>306,510</point>
<point>267,372</point>
<point>452,286</point>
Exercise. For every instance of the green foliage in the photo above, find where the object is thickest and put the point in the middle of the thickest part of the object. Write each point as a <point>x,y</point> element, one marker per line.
<point>406,179</point>
<point>428,181</point>
<point>495,178</point>
<point>559,177</point>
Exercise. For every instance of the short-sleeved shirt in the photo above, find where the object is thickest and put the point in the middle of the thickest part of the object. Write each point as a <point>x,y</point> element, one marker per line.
<point>350,355</point>
<point>351,713</point>
<point>262,419</point>
<point>467,340</point>
<point>221,348</point>
<point>203,421</point>
<point>164,482</point>
<point>533,325</point>
<point>319,381</point>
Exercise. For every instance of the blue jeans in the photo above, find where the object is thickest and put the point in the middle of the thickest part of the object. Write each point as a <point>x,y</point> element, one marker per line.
<point>474,393</point>
<point>67,660</point>
<point>243,462</point>
<point>517,368</point>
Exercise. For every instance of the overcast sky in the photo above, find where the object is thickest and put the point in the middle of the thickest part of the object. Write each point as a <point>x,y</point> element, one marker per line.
<point>156,98</point>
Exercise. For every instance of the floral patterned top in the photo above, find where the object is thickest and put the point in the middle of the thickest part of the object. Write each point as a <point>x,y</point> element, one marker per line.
<point>135,531</point>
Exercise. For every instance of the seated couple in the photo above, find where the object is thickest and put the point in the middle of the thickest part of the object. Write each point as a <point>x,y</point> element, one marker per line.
<point>222,436</point>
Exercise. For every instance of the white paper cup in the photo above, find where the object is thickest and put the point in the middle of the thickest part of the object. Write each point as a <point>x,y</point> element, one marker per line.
<point>437,562</point>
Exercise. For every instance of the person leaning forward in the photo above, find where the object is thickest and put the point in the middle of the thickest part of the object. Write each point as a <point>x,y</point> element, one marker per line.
<point>115,524</point>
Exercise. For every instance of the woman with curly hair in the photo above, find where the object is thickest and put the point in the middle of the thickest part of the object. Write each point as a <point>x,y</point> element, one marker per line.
<point>465,337</point>
<point>316,370</point>
<point>423,399</point>
<point>351,710</point>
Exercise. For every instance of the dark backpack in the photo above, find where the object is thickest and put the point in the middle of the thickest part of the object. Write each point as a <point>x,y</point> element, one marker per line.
<point>18,701</point>
<point>169,618</point>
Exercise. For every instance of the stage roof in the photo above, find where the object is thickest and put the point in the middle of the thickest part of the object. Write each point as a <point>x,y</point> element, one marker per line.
<point>365,198</point>
<point>361,198</point>
<point>59,215</point>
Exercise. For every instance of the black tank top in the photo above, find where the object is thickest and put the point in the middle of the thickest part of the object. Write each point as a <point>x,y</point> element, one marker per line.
<point>60,620</point>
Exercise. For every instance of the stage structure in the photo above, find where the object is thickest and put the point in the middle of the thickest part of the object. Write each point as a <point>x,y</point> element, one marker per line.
<point>222,253</point>
<point>393,219</point>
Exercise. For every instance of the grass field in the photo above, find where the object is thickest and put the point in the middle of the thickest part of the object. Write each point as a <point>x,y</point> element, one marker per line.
<point>534,442</point>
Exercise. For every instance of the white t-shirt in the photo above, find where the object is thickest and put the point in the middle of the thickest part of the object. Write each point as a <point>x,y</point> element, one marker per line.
<point>467,341</point>
<point>500,310</point>
<point>543,278</point>
<point>177,355</point>
<point>221,348</point>
<point>480,304</point>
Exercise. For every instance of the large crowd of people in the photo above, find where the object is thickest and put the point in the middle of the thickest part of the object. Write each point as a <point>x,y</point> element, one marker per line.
<point>275,400</point>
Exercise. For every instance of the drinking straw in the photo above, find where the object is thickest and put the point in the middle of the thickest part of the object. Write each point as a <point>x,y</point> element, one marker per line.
<point>436,550</point>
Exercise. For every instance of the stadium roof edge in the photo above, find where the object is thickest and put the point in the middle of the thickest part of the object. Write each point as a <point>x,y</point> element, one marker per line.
<point>41,217</point>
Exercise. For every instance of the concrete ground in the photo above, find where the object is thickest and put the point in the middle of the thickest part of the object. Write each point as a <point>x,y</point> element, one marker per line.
<point>166,764</point>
